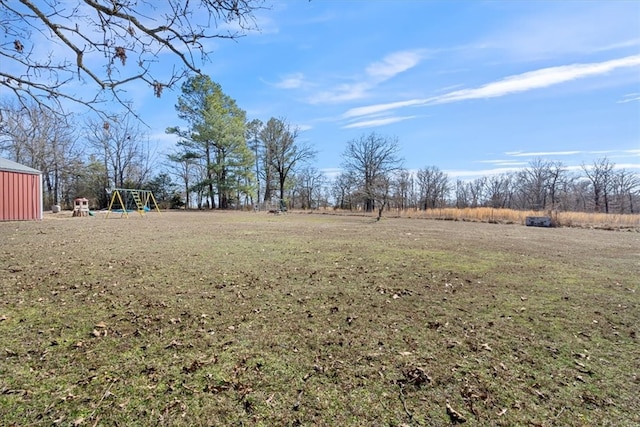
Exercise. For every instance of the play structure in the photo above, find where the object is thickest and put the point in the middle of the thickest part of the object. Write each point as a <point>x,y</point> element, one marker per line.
<point>81,207</point>
<point>125,200</point>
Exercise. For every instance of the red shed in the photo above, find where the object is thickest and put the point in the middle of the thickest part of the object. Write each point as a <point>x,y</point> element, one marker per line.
<point>20,192</point>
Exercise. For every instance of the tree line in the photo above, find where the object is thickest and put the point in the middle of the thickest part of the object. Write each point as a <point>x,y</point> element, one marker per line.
<point>222,160</point>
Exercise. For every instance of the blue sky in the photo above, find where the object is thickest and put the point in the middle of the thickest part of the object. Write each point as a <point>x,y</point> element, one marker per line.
<point>472,87</point>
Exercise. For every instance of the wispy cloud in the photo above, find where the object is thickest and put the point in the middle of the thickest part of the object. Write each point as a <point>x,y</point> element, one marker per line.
<point>291,81</point>
<point>375,74</point>
<point>630,97</point>
<point>380,108</point>
<point>342,93</point>
<point>394,64</point>
<point>469,174</point>
<point>537,79</point>
<point>502,162</point>
<point>541,153</point>
<point>376,122</point>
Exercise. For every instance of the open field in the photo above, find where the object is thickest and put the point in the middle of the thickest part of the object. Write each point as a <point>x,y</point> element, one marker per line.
<point>216,318</point>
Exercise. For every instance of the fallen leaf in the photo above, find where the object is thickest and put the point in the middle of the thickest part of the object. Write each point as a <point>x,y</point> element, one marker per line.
<point>174,344</point>
<point>101,325</point>
<point>416,376</point>
<point>455,416</point>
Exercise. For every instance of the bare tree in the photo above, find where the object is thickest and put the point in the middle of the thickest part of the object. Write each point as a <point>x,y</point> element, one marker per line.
<point>310,182</point>
<point>498,191</point>
<point>182,163</point>
<point>600,175</point>
<point>403,187</point>
<point>556,175</point>
<point>532,185</point>
<point>476,190</point>
<point>111,43</point>
<point>433,187</point>
<point>282,151</point>
<point>342,189</point>
<point>42,140</point>
<point>119,145</point>
<point>462,194</point>
<point>625,189</point>
<point>371,160</point>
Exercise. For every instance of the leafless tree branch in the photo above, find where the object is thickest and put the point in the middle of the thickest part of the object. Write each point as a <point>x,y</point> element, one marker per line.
<point>50,45</point>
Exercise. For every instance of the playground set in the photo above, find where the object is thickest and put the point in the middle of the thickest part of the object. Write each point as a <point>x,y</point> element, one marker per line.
<point>81,207</point>
<point>125,200</point>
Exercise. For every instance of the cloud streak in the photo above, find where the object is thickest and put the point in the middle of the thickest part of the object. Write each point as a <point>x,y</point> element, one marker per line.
<point>291,81</point>
<point>537,79</point>
<point>630,97</point>
<point>541,153</point>
<point>394,64</point>
<point>377,122</point>
<point>375,74</point>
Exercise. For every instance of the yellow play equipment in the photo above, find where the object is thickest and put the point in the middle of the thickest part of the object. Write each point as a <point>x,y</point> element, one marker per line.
<point>128,198</point>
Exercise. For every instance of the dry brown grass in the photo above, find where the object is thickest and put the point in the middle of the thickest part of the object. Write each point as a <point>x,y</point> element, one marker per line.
<point>511,216</point>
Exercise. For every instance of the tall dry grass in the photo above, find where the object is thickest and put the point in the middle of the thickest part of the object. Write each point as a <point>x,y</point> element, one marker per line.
<point>511,216</point>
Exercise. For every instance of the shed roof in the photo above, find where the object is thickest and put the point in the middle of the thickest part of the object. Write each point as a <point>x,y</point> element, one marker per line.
<point>8,165</point>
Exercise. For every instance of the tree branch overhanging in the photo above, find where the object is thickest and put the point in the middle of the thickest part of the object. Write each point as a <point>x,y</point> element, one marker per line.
<point>51,45</point>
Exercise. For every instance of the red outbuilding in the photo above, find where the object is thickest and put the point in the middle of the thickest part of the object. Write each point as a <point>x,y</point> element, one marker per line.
<point>20,192</point>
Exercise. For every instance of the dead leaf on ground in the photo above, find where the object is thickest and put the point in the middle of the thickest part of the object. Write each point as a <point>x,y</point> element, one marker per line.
<point>416,376</point>
<point>96,333</point>
<point>455,416</point>
<point>173,344</point>
<point>195,365</point>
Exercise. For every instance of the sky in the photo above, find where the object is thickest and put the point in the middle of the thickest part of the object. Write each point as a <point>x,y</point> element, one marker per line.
<point>472,87</point>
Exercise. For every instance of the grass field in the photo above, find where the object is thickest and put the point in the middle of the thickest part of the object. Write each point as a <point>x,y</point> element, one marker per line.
<point>215,318</point>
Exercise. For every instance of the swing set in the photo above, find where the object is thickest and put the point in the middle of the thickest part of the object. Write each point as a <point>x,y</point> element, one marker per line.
<point>131,200</point>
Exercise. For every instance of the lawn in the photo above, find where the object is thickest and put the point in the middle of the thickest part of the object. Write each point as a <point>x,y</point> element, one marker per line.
<point>220,318</point>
